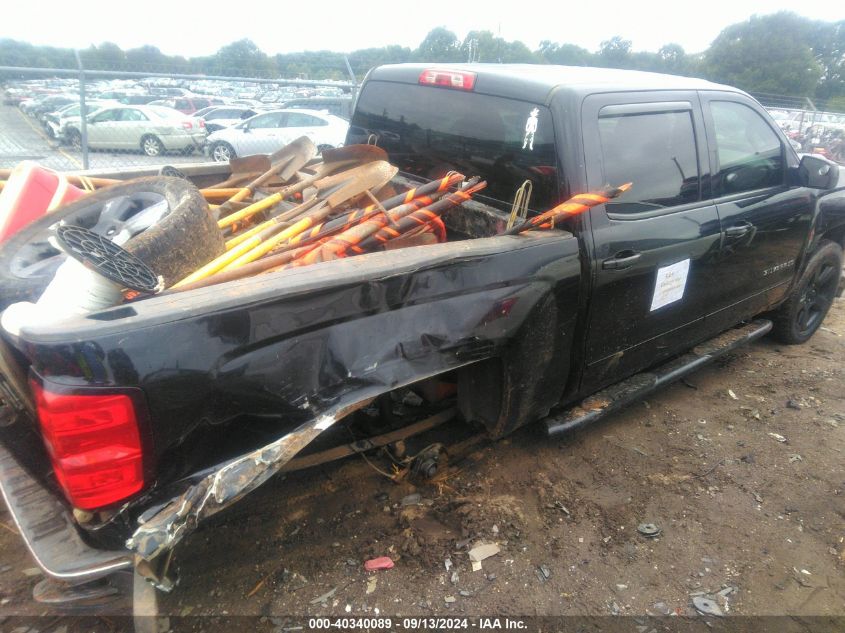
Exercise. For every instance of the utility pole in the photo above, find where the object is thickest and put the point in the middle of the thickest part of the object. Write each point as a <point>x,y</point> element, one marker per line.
<point>83,115</point>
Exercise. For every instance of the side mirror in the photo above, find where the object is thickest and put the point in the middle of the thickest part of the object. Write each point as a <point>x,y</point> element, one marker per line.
<point>818,172</point>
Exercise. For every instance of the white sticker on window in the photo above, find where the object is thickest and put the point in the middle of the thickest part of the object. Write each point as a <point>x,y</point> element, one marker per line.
<point>530,128</point>
<point>670,285</point>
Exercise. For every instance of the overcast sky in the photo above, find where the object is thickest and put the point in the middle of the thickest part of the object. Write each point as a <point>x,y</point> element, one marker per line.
<point>192,28</point>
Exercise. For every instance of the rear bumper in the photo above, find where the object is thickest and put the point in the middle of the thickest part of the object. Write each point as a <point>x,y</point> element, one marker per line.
<point>181,141</point>
<point>48,530</point>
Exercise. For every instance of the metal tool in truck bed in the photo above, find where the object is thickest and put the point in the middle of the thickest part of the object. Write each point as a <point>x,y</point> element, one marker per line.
<point>218,386</point>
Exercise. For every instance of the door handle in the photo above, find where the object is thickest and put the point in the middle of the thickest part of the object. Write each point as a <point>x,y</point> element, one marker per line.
<point>738,230</point>
<point>620,261</point>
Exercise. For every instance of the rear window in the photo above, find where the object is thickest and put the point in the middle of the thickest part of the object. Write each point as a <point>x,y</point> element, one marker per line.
<point>429,131</point>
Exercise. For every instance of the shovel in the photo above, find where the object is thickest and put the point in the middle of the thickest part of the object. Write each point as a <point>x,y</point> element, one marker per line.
<point>333,160</point>
<point>358,180</point>
<point>359,153</point>
<point>344,186</point>
<point>321,171</point>
<point>291,158</point>
<point>246,167</point>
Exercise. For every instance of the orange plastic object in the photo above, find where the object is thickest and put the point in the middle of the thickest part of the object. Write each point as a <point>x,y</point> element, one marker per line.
<point>31,192</point>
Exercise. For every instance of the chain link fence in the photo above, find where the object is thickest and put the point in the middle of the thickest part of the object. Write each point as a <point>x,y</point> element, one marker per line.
<point>74,119</point>
<point>144,119</point>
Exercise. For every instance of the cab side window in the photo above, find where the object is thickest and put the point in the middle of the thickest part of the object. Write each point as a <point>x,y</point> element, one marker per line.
<point>749,152</point>
<point>656,152</point>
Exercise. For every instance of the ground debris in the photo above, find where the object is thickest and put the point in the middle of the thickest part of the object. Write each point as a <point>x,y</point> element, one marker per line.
<point>483,551</point>
<point>325,597</point>
<point>706,606</point>
<point>649,530</point>
<point>382,562</point>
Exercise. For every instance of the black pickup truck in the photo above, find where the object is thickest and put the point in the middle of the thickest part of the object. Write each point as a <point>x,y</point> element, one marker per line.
<point>188,401</point>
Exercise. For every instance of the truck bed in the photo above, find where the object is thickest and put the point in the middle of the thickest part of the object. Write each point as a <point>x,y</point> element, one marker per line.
<point>230,368</point>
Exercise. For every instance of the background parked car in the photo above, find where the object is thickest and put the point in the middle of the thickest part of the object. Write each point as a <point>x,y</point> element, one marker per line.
<point>56,123</point>
<point>46,103</point>
<point>338,106</point>
<point>220,117</point>
<point>137,99</point>
<point>152,129</point>
<point>267,132</point>
<point>188,105</point>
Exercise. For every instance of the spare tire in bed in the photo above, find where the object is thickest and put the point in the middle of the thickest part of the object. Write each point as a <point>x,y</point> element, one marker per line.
<point>183,235</point>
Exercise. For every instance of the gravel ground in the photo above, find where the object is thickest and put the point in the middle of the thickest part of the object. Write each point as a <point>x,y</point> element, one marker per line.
<point>739,467</point>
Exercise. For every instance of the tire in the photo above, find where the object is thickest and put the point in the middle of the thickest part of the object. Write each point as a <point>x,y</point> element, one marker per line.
<point>151,146</point>
<point>74,138</point>
<point>175,246</point>
<point>222,152</point>
<point>804,311</point>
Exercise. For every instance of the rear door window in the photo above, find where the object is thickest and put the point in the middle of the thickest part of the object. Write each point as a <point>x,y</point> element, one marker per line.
<point>270,120</point>
<point>428,131</point>
<point>298,119</point>
<point>106,115</point>
<point>132,115</point>
<point>656,152</point>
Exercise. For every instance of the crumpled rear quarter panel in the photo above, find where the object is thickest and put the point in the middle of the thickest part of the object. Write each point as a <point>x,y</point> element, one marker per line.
<point>291,345</point>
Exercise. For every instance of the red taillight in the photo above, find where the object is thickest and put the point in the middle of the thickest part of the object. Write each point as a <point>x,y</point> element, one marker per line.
<point>459,80</point>
<point>94,444</point>
<point>187,125</point>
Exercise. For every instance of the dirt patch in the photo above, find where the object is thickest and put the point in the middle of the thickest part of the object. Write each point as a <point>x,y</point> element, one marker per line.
<point>739,466</point>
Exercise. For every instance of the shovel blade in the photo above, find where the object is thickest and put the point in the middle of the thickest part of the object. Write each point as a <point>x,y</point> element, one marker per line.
<point>370,176</point>
<point>295,154</point>
<point>358,153</point>
<point>249,164</point>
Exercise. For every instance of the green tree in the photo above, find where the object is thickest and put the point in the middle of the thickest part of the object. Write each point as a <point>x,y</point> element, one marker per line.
<point>836,104</point>
<point>673,60</point>
<point>563,54</point>
<point>486,47</point>
<point>615,53</point>
<point>440,45</point>
<point>828,43</point>
<point>244,59</point>
<point>766,54</point>
<point>146,58</point>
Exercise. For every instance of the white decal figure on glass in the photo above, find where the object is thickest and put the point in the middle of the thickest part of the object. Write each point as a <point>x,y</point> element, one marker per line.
<point>530,128</point>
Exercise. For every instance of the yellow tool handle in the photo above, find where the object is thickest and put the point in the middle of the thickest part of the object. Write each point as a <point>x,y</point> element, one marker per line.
<point>218,264</point>
<point>232,243</point>
<point>252,209</point>
<point>269,244</point>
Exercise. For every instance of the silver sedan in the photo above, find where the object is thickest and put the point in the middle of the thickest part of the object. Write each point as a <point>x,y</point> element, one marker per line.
<point>152,129</point>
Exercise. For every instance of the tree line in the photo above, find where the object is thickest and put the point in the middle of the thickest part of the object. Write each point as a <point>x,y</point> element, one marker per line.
<point>781,53</point>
